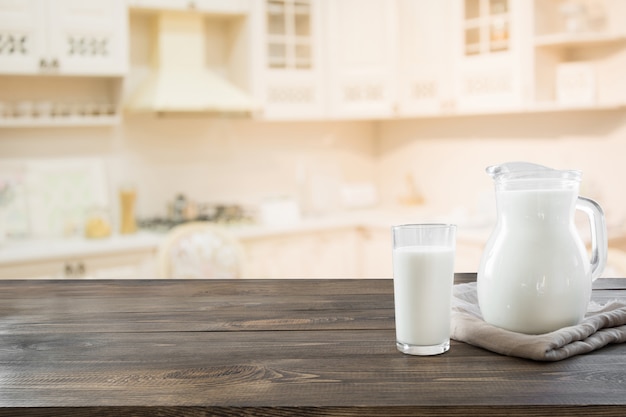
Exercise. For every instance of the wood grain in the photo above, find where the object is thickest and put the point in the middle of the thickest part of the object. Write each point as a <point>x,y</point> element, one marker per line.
<point>265,348</point>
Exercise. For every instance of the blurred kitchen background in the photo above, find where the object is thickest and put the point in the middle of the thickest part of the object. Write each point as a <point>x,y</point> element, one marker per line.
<point>303,128</point>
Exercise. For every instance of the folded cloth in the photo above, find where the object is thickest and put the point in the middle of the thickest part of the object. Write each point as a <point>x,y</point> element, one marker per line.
<point>604,325</point>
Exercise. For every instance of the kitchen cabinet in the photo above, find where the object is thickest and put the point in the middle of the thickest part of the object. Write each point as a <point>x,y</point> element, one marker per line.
<point>579,49</point>
<point>316,254</point>
<point>381,59</point>
<point>291,82</point>
<point>314,64</point>
<point>361,44</point>
<point>123,265</point>
<point>63,37</point>
<point>497,56</point>
<point>492,72</point>
<point>425,58</point>
<point>22,38</point>
<point>479,63</point>
<point>374,252</point>
<point>61,62</point>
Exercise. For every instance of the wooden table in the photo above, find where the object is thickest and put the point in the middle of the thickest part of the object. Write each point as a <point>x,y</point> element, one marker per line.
<point>268,348</point>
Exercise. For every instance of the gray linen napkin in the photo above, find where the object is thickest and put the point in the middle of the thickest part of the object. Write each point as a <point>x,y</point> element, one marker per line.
<point>602,325</point>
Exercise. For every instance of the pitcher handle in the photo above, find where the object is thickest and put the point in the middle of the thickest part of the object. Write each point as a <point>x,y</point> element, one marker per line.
<point>599,242</point>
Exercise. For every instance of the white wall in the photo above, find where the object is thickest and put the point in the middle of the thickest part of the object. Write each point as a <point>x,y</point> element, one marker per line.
<point>210,160</point>
<point>448,156</point>
<point>241,161</point>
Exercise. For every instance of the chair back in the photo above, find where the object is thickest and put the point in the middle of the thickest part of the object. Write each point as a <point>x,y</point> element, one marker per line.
<point>200,250</point>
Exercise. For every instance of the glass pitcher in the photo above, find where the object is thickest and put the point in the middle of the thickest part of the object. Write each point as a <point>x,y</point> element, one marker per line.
<point>535,274</point>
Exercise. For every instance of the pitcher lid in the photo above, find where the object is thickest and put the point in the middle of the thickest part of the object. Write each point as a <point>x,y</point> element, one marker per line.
<point>526,171</point>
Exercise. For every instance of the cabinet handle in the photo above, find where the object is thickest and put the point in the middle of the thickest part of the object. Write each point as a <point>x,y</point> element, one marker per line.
<point>43,63</point>
<point>55,63</point>
<point>74,270</point>
<point>81,269</point>
<point>22,45</point>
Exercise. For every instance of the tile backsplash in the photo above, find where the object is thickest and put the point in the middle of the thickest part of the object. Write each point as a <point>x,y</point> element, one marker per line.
<point>51,197</point>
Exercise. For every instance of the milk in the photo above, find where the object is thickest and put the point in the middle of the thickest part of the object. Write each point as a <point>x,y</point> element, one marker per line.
<point>423,277</point>
<point>535,274</point>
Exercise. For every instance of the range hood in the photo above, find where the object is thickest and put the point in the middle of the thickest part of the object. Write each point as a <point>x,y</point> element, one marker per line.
<point>180,81</point>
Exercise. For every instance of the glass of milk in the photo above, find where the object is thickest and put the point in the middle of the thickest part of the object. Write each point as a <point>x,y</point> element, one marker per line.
<point>423,274</point>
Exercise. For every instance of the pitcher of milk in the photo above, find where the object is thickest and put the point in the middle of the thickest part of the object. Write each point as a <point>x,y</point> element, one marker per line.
<point>535,274</point>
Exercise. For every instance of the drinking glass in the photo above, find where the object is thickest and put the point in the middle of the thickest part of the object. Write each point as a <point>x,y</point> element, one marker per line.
<point>423,274</point>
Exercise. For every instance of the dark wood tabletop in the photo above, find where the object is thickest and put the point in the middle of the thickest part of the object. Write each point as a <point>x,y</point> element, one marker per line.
<point>266,348</point>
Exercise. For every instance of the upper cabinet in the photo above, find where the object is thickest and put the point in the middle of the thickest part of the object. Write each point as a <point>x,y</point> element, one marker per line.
<point>291,74</point>
<point>64,37</point>
<point>361,44</point>
<point>62,62</point>
<point>579,53</point>
<point>425,56</point>
<point>492,56</point>
<point>323,59</point>
<point>22,40</point>
<point>327,58</point>
<point>491,65</point>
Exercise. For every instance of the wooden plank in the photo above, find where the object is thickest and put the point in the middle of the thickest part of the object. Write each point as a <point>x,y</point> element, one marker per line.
<point>138,306</point>
<point>392,411</point>
<point>294,347</point>
<point>361,411</point>
<point>288,369</point>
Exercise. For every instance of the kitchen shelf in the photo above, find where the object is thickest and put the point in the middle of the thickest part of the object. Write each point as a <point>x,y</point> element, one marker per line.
<point>59,101</point>
<point>537,108</point>
<point>552,107</point>
<point>558,40</point>
<point>35,122</point>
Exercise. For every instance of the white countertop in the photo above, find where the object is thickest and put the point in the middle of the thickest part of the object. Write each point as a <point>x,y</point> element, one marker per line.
<point>15,251</point>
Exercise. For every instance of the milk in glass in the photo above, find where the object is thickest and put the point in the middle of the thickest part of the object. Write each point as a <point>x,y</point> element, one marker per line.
<point>423,277</point>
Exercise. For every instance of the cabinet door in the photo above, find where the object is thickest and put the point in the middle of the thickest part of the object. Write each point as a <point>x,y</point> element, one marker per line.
<point>332,254</point>
<point>291,63</point>
<point>274,258</point>
<point>494,54</point>
<point>131,265</point>
<point>362,57</point>
<point>22,39</point>
<point>425,58</point>
<point>34,270</point>
<point>88,36</point>
<point>327,254</point>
